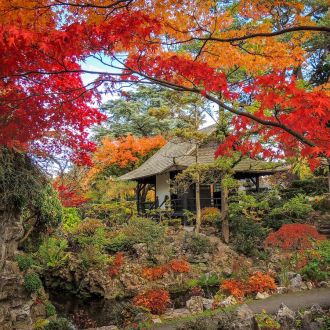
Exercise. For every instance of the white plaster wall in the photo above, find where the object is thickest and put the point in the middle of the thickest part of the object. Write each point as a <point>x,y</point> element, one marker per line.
<point>162,187</point>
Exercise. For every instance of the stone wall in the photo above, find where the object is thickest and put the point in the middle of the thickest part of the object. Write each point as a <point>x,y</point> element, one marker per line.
<point>15,303</point>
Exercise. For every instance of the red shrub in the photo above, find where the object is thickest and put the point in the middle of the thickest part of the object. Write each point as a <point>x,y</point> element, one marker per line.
<point>179,266</point>
<point>260,282</point>
<point>235,287</point>
<point>114,269</point>
<point>154,273</point>
<point>293,237</point>
<point>156,301</point>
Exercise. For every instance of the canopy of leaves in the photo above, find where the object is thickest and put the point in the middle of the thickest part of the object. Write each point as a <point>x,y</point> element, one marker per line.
<point>264,62</point>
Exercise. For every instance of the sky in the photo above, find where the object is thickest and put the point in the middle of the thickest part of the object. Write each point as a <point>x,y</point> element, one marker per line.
<point>92,64</point>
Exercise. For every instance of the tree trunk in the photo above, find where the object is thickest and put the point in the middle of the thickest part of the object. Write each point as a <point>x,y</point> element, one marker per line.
<point>198,209</point>
<point>329,176</point>
<point>198,197</point>
<point>224,214</point>
<point>15,303</point>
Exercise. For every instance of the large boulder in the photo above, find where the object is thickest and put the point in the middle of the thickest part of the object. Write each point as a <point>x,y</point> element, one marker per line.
<point>195,304</point>
<point>243,319</point>
<point>286,317</point>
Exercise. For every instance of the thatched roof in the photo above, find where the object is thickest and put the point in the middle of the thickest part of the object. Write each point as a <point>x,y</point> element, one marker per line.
<point>179,155</point>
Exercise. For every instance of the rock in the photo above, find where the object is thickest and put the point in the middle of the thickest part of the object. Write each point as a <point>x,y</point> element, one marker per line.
<point>157,320</point>
<point>281,290</point>
<point>296,283</point>
<point>262,295</point>
<point>324,284</point>
<point>286,317</point>
<point>243,319</point>
<point>208,303</point>
<point>291,275</point>
<point>195,304</point>
<point>141,249</point>
<point>174,313</point>
<point>309,285</point>
<point>130,281</point>
<point>316,310</point>
<point>231,300</point>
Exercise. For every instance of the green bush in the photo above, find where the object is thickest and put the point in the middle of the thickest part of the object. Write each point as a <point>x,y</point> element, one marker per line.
<point>52,252</point>
<point>99,237</point>
<point>142,230</point>
<point>115,213</point>
<point>71,218</point>
<point>32,282</point>
<point>197,244</point>
<point>120,242</point>
<point>297,207</point>
<point>318,268</point>
<point>50,309</point>
<point>248,236</point>
<point>93,256</point>
<point>24,261</point>
<point>59,324</point>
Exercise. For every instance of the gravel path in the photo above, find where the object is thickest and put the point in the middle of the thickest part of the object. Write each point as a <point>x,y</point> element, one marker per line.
<point>294,300</point>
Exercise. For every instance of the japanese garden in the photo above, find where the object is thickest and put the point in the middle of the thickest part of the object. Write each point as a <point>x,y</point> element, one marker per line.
<point>164,164</point>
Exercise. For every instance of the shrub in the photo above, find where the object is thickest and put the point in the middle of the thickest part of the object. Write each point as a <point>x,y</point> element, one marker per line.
<point>142,230</point>
<point>266,322</point>
<point>260,282</point>
<point>71,219</point>
<point>110,213</point>
<point>52,252</point>
<point>179,266</point>
<point>59,324</point>
<point>293,237</point>
<point>156,301</point>
<point>318,260</point>
<point>197,244</point>
<point>24,261</point>
<point>32,282</point>
<point>88,227</point>
<point>154,273</point>
<point>295,208</point>
<point>50,309</point>
<point>210,215</point>
<point>120,242</point>
<point>116,264</point>
<point>93,256</point>
<point>248,236</point>
<point>208,280</point>
<point>236,288</point>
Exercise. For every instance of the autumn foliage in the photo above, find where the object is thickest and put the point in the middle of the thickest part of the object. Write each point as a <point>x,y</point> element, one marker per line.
<point>124,152</point>
<point>117,263</point>
<point>156,301</point>
<point>155,273</point>
<point>251,56</point>
<point>293,237</point>
<point>258,282</point>
<point>69,195</point>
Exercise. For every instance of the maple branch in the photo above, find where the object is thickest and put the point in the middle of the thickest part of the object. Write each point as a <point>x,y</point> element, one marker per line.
<point>255,35</point>
<point>238,112</point>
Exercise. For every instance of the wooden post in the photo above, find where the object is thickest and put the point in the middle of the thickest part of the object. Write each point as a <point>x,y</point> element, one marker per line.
<point>138,189</point>
<point>212,194</point>
<point>257,183</point>
<point>224,213</point>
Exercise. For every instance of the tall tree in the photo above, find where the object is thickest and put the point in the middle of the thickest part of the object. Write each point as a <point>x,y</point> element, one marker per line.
<point>144,111</point>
